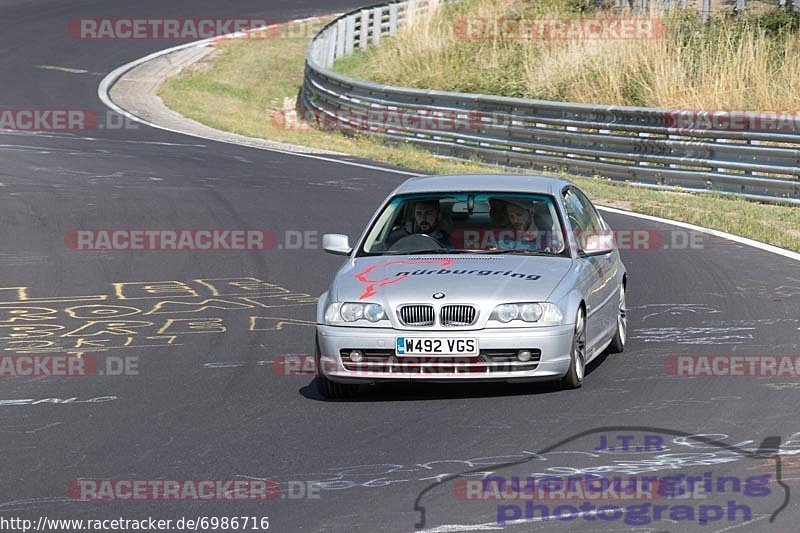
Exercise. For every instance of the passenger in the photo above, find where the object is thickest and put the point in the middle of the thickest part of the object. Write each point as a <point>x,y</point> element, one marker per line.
<point>521,230</point>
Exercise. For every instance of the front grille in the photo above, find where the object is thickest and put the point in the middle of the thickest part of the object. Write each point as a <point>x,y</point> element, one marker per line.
<point>458,315</point>
<point>416,315</point>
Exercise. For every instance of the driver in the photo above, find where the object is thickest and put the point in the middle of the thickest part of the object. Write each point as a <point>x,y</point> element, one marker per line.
<point>427,221</point>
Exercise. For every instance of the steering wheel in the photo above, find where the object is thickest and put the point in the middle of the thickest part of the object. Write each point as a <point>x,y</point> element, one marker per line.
<point>415,242</point>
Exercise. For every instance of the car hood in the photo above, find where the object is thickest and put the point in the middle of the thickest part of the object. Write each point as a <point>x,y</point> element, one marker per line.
<point>485,279</point>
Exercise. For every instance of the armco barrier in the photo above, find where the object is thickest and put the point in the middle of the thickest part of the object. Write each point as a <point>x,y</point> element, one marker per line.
<point>640,145</point>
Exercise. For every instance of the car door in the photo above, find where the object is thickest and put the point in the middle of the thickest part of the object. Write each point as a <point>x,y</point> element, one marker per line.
<point>597,268</point>
<point>611,264</point>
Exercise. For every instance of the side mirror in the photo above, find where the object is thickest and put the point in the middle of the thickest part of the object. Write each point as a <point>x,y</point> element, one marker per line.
<point>599,244</point>
<point>336,244</point>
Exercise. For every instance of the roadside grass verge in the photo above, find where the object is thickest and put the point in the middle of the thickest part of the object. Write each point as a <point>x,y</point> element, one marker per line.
<point>747,62</point>
<point>241,88</point>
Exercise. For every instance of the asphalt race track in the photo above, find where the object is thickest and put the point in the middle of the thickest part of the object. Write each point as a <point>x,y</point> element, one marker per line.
<point>210,401</point>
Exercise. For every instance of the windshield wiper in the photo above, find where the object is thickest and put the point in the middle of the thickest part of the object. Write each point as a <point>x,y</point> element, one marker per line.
<point>517,251</point>
<point>446,251</point>
<point>421,252</point>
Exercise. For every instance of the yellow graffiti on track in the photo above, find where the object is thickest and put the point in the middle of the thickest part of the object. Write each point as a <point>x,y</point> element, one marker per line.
<point>144,314</point>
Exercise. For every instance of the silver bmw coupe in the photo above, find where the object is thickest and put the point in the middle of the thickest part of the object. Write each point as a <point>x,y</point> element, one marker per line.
<point>472,277</point>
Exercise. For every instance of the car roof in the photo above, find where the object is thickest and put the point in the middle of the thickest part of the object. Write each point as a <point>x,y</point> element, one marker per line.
<point>515,183</point>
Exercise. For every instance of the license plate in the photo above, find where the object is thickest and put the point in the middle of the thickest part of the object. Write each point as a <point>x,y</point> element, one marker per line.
<point>436,346</point>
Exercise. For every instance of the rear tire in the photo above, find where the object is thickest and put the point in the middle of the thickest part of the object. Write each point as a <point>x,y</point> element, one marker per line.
<point>618,342</point>
<point>577,366</point>
<point>327,388</point>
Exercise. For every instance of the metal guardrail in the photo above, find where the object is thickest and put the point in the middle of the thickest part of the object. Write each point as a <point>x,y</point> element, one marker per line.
<point>633,144</point>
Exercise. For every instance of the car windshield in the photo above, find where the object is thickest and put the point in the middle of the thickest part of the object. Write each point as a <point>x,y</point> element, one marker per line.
<point>483,223</point>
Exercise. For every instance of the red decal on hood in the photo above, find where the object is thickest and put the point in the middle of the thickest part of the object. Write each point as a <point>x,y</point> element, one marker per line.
<point>372,284</point>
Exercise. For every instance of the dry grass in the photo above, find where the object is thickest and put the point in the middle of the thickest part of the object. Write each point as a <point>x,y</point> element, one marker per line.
<point>744,63</point>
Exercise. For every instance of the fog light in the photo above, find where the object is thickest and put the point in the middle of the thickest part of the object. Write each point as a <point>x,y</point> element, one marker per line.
<point>356,356</point>
<point>523,355</point>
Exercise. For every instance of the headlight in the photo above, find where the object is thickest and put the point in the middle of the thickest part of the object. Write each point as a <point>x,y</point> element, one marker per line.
<point>354,311</point>
<point>374,312</point>
<point>530,312</point>
<point>527,312</point>
<point>506,312</point>
<point>332,313</point>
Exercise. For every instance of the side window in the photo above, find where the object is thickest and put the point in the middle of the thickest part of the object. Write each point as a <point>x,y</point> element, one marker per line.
<point>583,218</point>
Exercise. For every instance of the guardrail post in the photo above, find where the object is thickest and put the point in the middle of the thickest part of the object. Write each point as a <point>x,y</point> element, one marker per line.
<point>706,10</point>
<point>350,35</point>
<point>341,37</point>
<point>363,34</point>
<point>411,12</point>
<point>330,47</point>
<point>393,16</point>
<point>377,18</point>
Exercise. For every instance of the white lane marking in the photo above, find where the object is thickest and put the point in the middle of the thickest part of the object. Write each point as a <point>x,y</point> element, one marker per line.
<point>74,137</point>
<point>716,233</point>
<point>21,505</point>
<point>224,364</point>
<point>736,526</point>
<point>489,526</point>
<point>107,82</point>
<point>63,69</point>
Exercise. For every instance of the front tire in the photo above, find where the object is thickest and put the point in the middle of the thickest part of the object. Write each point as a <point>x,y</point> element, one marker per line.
<point>577,366</point>
<point>327,388</point>
<point>618,342</point>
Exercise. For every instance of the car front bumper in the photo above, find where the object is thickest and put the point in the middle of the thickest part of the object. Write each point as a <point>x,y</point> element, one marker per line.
<point>552,345</point>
